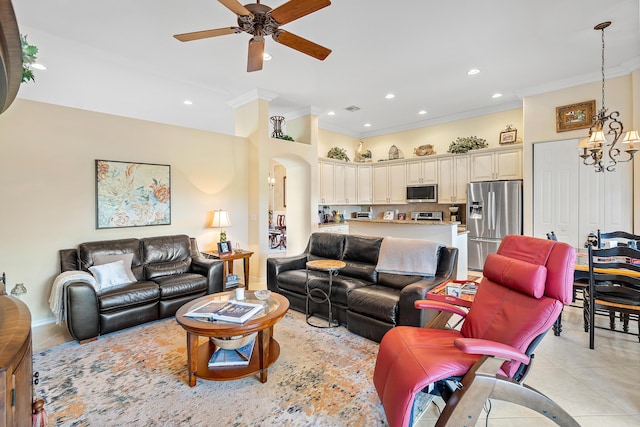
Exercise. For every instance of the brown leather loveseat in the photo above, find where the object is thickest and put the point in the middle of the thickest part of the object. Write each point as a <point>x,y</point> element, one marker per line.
<point>169,271</point>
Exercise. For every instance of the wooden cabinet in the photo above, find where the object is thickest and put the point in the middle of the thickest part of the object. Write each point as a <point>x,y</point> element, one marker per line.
<point>453,176</point>
<point>364,190</point>
<point>496,164</point>
<point>422,172</point>
<point>16,369</point>
<point>389,184</point>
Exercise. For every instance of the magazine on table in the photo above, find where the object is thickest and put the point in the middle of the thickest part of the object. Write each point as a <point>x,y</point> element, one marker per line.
<point>229,311</point>
<point>238,357</point>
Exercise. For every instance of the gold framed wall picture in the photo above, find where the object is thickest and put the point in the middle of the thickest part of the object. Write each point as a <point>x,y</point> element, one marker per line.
<point>508,137</point>
<point>575,116</point>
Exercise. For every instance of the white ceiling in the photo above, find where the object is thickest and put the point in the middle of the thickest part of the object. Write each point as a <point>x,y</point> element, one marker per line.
<point>119,57</point>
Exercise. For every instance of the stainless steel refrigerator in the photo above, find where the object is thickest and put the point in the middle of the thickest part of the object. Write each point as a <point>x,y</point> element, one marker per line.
<point>494,209</point>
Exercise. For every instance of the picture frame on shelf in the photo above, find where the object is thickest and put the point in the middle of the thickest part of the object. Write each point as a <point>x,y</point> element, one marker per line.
<point>388,215</point>
<point>508,137</point>
<point>575,116</point>
<point>224,248</point>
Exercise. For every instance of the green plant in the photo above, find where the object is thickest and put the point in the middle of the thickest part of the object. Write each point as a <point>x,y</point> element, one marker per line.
<point>29,53</point>
<point>462,145</point>
<point>338,153</point>
<point>285,137</point>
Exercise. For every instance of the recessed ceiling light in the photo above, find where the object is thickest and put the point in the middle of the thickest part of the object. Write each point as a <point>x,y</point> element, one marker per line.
<point>266,56</point>
<point>331,113</point>
<point>422,112</point>
<point>473,71</point>
<point>38,66</point>
<point>367,125</point>
<point>496,95</point>
<point>390,96</point>
<point>187,102</point>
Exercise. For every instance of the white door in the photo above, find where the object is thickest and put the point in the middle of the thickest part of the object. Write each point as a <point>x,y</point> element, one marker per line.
<point>555,190</point>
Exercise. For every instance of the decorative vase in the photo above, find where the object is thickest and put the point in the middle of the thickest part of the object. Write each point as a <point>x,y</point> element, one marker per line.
<point>277,122</point>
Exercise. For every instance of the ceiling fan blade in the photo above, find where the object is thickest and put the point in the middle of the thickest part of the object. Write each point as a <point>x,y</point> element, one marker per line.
<point>256,54</point>
<point>301,45</point>
<point>197,35</point>
<point>236,7</point>
<point>294,9</point>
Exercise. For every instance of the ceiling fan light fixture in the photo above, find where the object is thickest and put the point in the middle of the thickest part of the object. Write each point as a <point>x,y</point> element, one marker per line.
<point>266,56</point>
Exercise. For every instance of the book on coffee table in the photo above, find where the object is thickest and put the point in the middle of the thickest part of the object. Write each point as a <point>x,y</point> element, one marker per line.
<point>238,357</point>
<point>228,311</point>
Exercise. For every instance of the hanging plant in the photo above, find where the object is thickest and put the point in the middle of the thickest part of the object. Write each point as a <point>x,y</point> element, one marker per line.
<point>338,153</point>
<point>29,53</point>
<point>462,145</point>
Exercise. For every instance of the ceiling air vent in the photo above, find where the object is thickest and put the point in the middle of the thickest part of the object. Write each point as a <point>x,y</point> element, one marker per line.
<point>352,108</point>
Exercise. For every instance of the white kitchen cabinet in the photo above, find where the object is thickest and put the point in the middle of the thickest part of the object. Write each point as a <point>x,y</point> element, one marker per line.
<point>327,178</point>
<point>364,190</point>
<point>337,183</point>
<point>422,172</point>
<point>389,183</point>
<point>453,176</point>
<point>496,164</point>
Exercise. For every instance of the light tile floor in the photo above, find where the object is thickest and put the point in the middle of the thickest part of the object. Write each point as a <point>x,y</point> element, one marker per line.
<point>598,387</point>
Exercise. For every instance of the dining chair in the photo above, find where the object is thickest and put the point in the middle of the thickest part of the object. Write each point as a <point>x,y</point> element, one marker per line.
<point>614,285</point>
<point>617,236</point>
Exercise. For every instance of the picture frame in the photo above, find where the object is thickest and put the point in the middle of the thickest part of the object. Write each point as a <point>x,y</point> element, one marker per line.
<point>388,215</point>
<point>575,116</point>
<point>224,248</point>
<point>508,137</point>
<point>131,194</point>
<point>402,216</point>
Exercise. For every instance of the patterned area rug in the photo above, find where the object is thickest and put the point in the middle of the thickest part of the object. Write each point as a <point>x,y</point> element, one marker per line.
<point>138,377</point>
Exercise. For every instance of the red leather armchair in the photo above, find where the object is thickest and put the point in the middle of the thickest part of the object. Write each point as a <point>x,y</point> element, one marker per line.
<point>523,290</point>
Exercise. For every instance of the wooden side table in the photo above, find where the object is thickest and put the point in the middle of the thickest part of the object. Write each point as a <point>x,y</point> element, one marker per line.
<point>228,262</point>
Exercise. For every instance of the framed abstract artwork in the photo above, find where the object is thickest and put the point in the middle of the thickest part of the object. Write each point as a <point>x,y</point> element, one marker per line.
<point>132,194</point>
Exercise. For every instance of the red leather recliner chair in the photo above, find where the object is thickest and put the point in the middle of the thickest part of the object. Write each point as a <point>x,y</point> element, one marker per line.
<point>523,290</point>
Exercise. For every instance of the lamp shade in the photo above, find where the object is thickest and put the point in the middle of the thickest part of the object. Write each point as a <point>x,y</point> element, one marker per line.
<point>220,219</point>
<point>583,143</point>
<point>631,136</point>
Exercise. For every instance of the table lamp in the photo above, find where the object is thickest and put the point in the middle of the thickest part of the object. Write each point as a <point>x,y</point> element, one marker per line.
<point>220,220</point>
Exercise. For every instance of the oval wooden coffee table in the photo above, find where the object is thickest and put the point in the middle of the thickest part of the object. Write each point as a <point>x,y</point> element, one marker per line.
<point>264,355</point>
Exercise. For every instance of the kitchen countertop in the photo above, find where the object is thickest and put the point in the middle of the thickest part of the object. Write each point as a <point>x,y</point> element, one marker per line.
<point>403,221</point>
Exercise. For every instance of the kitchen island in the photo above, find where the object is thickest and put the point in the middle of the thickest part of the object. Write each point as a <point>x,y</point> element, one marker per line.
<point>446,232</point>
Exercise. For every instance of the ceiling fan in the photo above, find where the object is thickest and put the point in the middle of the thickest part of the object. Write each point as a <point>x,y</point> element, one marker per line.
<point>260,21</point>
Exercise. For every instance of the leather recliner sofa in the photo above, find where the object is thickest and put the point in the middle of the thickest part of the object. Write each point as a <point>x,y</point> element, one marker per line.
<point>369,303</point>
<point>170,272</point>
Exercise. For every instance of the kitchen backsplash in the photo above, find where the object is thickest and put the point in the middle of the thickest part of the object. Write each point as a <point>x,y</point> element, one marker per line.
<point>348,211</point>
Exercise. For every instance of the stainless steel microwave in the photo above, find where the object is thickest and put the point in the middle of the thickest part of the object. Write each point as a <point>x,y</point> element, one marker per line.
<point>422,193</point>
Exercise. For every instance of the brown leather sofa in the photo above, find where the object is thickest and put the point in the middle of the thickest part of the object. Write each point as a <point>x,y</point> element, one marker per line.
<point>367,302</point>
<point>170,272</point>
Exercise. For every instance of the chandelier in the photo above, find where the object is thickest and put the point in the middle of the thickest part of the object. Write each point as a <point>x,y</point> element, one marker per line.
<point>600,148</point>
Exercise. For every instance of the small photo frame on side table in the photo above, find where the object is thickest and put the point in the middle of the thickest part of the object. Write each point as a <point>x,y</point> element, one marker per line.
<point>575,116</point>
<point>508,137</point>
<point>224,248</point>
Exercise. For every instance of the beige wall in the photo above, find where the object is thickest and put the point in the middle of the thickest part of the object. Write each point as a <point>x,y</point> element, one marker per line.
<point>328,139</point>
<point>440,136</point>
<point>540,123</point>
<point>47,185</point>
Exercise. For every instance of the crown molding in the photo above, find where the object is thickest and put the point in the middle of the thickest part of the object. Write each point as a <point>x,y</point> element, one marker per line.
<point>252,95</point>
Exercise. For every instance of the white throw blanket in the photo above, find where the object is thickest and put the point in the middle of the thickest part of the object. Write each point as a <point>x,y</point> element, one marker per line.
<point>56,299</point>
<point>408,256</point>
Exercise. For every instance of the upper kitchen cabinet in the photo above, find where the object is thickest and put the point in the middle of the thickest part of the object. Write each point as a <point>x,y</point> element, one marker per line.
<point>326,171</point>
<point>364,190</point>
<point>453,175</point>
<point>422,172</point>
<point>493,164</point>
<point>338,182</point>
<point>389,183</point>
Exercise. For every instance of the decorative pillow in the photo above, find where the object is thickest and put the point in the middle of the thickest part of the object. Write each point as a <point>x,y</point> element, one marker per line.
<point>109,275</point>
<point>127,260</point>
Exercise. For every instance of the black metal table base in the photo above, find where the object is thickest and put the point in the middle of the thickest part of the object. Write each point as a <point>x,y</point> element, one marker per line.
<point>320,297</point>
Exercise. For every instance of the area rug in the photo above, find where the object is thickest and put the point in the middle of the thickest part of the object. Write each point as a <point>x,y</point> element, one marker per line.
<point>139,377</point>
